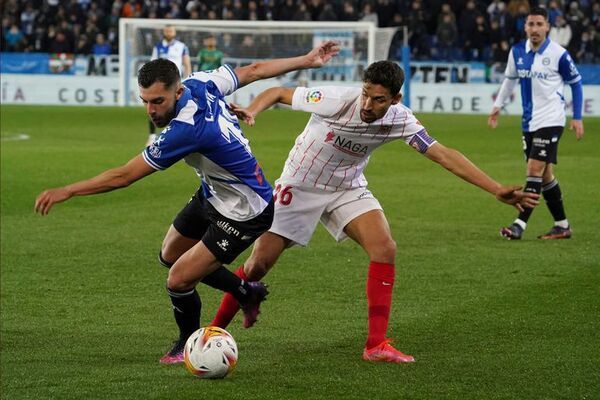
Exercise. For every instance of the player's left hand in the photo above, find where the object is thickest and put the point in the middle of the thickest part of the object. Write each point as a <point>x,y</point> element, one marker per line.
<point>242,113</point>
<point>321,54</point>
<point>48,198</point>
<point>514,196</point>
<point>577,126</point>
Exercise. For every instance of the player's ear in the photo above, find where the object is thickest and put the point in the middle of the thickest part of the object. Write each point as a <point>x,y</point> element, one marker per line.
<point>179,91</point>
<point>396,99</point>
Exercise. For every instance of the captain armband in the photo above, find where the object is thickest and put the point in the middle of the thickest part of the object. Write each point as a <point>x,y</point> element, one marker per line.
<point>421,141</point>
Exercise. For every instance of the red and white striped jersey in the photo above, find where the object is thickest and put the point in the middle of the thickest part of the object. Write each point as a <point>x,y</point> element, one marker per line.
<point>334,148</point>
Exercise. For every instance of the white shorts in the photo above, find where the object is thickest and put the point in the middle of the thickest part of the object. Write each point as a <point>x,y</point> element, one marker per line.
<point>298,210</point>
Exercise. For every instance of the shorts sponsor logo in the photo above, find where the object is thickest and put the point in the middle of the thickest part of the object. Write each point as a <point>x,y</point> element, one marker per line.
<point>554,139</point>
<point>230,230</point>
<point>314,96</point>
<point>223,244</point>
<point>247,237</point>
<point>540,141</point>
<point>366,193</point>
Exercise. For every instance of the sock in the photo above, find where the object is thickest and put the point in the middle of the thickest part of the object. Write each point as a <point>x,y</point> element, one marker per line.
<point>229,305</point>
<point>553,197</point>
<point>163,262</point>
<point>186,308</point>
<point>226,281</point>
<point>532,185</point>
<point>380,283</point>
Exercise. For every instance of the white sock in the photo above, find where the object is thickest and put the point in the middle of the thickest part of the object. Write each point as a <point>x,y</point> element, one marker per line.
<point>563,223</point>
<point>522,224</point>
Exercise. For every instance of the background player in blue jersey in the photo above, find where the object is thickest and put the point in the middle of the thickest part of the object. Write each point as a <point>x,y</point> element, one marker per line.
<point>542,67</point>
<point>234,204</point>
<point>173,50</point>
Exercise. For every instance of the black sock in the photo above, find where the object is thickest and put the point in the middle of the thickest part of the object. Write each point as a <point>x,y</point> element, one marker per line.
<point>553,197</point>
<point>532,185</point>
<point>226,281</point>
<point>186,308</point>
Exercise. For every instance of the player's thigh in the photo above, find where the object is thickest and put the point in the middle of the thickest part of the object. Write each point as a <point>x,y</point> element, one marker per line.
<point>372,232</point>
<point>188,228</point>
<point>192,267</point>
<point>297,212</point>
<point>542,145</point>
<point>265,253</point>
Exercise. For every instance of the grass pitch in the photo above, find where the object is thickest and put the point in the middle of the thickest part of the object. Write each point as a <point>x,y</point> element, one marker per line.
<point>84,313</point>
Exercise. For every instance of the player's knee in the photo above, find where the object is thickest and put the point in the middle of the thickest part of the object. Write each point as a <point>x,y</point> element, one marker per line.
<point>257,268</point>
<point>384,252</point>
<point>175,281</point>
<point>164,262</point>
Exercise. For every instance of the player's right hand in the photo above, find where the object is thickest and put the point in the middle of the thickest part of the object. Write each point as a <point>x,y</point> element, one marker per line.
<point>242,113</point>
<point>493,117</point>
<point>320,55</point>
<point>514,196</point>
<point>48,198</point>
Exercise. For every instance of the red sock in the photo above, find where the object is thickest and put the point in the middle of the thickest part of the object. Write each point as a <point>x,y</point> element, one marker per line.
<point>380,283</point>
<point>229,305</point>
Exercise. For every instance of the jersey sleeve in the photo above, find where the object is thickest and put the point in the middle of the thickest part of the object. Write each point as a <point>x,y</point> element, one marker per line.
<point>567,69</point>
<point>154,53</point>
<point>223,77</point>
<point>174,143</point>
<point>415,135</point>
<point>324,101</point>
<point>511,68</point>
<point>186,51</point>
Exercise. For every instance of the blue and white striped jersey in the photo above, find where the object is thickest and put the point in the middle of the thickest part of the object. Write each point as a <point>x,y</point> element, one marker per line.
<point>209,139</point>
<point>172,51</point>
<point>542,76</point>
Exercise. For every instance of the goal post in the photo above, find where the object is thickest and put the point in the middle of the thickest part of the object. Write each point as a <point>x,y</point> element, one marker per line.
<point>244,42</point>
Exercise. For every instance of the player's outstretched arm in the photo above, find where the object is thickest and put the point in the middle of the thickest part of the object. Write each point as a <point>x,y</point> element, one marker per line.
<point>316,58</point>
<point>459,165</point>
<point>111,179</point>
<point>262,102</point>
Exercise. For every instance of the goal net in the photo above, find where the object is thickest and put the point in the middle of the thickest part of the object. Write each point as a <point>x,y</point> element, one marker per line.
<point>243,42</point>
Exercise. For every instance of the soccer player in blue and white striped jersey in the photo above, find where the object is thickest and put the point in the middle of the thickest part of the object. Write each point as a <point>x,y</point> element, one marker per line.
<point>542,68</point>
<point>234,204</point>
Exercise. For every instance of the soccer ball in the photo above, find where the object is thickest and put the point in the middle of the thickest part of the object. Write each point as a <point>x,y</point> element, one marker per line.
<point>210,353</point>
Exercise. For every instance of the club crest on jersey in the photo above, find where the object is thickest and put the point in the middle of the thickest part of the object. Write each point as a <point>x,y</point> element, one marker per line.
<point>545,61</point>
<point>349,147</point>
<point>314,96</point>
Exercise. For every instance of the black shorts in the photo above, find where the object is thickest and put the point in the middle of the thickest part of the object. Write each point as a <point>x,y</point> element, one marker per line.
<point>542,144</point>
<point>224,237</point>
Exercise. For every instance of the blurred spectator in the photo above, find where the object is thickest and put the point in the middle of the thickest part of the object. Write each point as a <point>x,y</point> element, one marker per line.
<point>60,44</point>
<point>553,11</point>
<point>447,34</point>
<point>101,47</point>
<point>467,20</point>
<point>585,53</point>
<point>385,12</point>
<point>302,13</point>
<point>286,11</point>
<point>477,40</point>
<point>83,46</point>
<point>446,10</point>
<point>368,15</point>
<point>27,19</point>
<point>561,33</point>
<point>520,18</point>
<point>348,12</point>
<point>14,38</point>
<point>418,39</point>
<point>328,14</point>
<point>500,54</point>
<point>247,49</point>
<point>314,7</point>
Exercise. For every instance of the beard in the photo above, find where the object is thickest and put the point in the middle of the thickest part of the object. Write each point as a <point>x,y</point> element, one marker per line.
<point>160,121</point>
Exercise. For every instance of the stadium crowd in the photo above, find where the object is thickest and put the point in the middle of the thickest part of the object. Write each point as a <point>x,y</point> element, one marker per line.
<point>448,30</point>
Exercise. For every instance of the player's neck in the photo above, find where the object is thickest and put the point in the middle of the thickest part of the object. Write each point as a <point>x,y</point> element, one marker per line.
<point>536,47</point>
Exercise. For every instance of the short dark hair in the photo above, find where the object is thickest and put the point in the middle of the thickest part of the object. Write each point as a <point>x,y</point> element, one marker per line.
<point>387,74</point>
<point>539,11</point>
<point>161,70</point>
